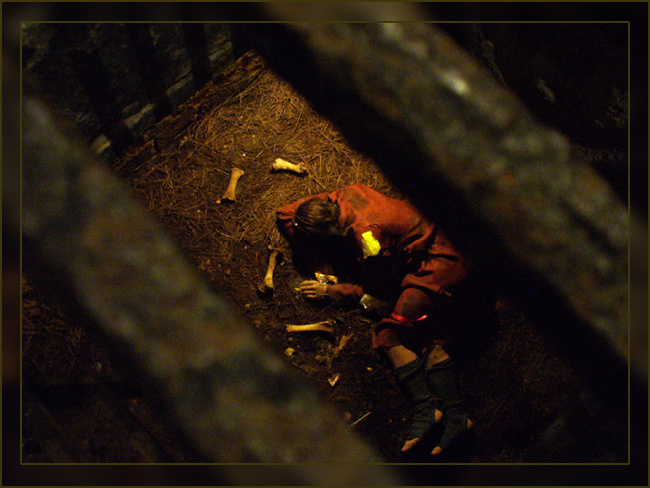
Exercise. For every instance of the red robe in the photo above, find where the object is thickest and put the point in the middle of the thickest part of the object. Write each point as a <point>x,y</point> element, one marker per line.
<point>429,261</point>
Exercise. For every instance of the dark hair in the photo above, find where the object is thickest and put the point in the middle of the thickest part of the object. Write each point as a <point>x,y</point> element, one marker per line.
<point>318,217</point>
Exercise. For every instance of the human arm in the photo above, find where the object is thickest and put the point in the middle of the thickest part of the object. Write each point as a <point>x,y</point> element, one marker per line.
<point>340,291</point>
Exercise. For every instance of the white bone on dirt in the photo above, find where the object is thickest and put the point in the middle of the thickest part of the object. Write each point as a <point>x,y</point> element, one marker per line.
<point>324,326</point>
<point>342,343</point>
<point>334,379</point>
<point>267,285</point>
<point>230,193</point>
<point>282,165</point>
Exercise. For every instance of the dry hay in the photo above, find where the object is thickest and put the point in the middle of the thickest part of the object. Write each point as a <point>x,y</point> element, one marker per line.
<point>183,179</point>
<point>229,241</point>
<point>267,120</point>
<point>180,182</point>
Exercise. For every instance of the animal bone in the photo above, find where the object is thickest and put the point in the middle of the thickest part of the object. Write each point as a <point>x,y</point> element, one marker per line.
<point>229,194</point>
<point>334,379</point>
<point>282,165</point>
<point>267,285</point>
<point>342,343</point>
<point>324,326</point>
<point>360,419</point>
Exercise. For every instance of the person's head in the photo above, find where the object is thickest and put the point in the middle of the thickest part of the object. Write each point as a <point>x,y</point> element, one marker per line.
<point>318,217</point>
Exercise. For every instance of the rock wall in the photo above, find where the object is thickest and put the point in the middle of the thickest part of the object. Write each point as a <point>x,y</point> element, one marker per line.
<point>114,81</point>
<point>572,76</point>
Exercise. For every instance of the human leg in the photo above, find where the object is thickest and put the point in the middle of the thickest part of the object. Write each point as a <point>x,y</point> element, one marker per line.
<point>398,339</point>
<point>411,379</point>
<point>443,379</point>
<point>433,290</point>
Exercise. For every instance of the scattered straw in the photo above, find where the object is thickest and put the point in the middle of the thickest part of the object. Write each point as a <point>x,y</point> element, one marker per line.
<point>265,121</point>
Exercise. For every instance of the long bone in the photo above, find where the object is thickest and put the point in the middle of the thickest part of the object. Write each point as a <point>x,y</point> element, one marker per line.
<point>324,326</point>
<point>282,165</point>
<point>230,193</point>
<point>267,284</point>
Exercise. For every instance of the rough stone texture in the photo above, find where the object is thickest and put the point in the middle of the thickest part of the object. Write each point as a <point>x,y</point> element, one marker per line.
<point>112,262</point>
<point>45,59</point>
<point>470,154</point>
<point>220,47</point>
<point>116,81</point>
<point>572,76</point>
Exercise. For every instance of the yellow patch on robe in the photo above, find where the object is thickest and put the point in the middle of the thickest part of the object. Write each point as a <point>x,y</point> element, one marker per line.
<point>369,244</point>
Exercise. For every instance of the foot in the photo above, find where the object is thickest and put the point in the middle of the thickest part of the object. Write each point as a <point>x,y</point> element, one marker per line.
<point>410,444</point>
<point>451,433</point>
<point>443,379</point>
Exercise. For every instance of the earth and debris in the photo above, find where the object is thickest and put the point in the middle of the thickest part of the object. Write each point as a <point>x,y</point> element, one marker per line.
<point>517,389</point>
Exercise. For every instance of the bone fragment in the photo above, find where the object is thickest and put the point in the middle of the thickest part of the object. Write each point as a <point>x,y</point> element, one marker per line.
<point>342,343</point>
<point>229,194</point>
<point>282,165</point>
<point>267,285</point>
<point>324,326</point>
<point>360,419</point>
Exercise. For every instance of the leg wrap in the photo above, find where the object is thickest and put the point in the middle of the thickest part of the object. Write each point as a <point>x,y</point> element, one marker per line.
<point>411,380</point>
<point>443,379</point>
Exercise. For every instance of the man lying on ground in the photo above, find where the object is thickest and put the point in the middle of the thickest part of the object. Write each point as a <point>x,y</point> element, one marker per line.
<point>385,252</point>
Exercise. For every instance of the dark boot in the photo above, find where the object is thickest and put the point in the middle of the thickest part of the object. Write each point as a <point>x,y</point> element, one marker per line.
<point>412,381</point>
<point>443,379</point>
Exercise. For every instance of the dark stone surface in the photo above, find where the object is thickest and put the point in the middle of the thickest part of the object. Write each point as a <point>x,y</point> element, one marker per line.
<point>115,81</point>
<point>47,69</point>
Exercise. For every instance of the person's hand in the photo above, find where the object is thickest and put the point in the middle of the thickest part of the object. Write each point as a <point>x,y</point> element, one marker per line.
<point>312,289</point>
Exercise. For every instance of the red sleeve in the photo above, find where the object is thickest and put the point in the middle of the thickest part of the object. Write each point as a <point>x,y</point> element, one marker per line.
<point>345,290</point>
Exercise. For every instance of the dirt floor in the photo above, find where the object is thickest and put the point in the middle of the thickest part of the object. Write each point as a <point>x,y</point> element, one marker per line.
<point>514,384</point>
